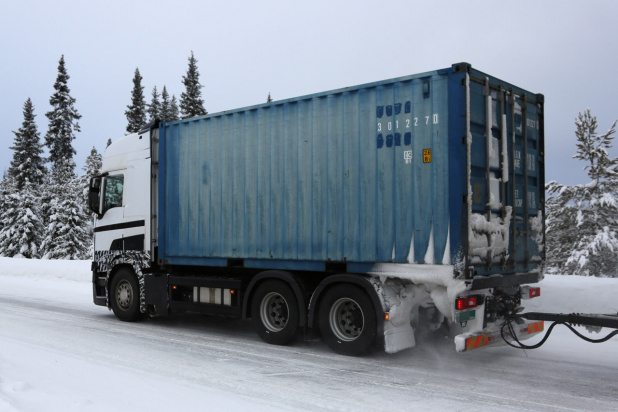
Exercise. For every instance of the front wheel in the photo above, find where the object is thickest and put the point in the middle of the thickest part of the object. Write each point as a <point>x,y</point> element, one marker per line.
<point>275,312</point>
<point>347,320</point>
<point>124,296</point>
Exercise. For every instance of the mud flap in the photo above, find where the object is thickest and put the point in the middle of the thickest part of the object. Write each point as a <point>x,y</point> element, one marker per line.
<point>156,293</point>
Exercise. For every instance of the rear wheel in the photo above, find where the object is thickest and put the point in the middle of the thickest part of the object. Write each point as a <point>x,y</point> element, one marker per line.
<point>124,296</point>
<point>275,312</point>
<point>347,320</point>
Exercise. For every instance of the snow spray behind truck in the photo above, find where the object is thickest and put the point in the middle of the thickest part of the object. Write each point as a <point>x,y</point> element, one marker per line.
<point>360,213</point>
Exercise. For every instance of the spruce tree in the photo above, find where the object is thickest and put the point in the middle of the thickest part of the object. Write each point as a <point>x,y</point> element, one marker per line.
<point>27,163</point>
<point>174,111</point>
<point>92,168</point>
<point>7,187</point>
<point>191,103</point>
<point>169,107</point>
<point>582,220</point>
<point>45,198</point>
<point>165,106</point>
<point>136,113</point>
<point>93,165</point>
<point>154,108</point>
<point>62,119</point>
<point>109,141</point>
<point>21,224</point>
<point>67,234</point>
<point>269,99</point>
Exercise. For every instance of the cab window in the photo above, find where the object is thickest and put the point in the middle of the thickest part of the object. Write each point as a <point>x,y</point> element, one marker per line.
<point>113,192</point>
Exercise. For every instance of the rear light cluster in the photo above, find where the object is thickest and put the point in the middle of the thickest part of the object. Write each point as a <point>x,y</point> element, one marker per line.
<point>465,308</point>
<point>466,303</point>
<point>528,292</point>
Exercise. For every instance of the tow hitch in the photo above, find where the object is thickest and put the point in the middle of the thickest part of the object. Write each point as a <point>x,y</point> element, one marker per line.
<point>592,322</point>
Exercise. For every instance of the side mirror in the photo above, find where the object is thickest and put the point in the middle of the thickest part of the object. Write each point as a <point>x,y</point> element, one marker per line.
<point>94,195</point>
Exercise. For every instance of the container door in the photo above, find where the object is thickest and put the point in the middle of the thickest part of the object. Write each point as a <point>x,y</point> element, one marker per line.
<point>505,172</point>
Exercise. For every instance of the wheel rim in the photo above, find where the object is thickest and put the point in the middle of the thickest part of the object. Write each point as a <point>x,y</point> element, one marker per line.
<point>274,312</point>
<point>124,295</point>
<point>346,319</point>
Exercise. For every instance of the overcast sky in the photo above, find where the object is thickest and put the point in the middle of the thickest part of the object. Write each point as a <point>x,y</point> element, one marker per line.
<point>566,50</point>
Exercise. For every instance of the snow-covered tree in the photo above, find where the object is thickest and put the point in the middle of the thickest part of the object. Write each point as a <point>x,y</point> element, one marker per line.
<point>27,163</point>
<point>164,113</point>
<point>92,168</point>
<point>169,107</point>
<point>174,111</point>
<point>62,119</point>
<point>7,186</point>
<point>93,165</point>
<point>191,103</point>
<point>66,234</point>
<point>21,231</point>
<point>154,108</point>
<point>136,113</point>
<point>582,220</point>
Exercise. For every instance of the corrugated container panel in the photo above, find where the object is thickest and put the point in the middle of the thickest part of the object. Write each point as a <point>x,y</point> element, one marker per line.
<point>373,173</point>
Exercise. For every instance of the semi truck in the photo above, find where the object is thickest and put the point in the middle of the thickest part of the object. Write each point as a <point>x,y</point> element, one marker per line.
<point>360,215</point>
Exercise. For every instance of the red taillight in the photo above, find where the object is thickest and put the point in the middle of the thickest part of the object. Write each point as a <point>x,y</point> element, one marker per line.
<point>534,292</point>
<point>465,303</point>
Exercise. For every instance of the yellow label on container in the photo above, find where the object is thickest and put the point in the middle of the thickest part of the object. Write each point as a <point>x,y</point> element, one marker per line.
<point>426,155</point>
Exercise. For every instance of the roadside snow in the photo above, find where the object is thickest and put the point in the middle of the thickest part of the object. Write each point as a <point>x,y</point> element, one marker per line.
<point>76,270</point>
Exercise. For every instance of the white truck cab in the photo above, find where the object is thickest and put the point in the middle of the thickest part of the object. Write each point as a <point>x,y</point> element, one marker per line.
<point>121,198</point>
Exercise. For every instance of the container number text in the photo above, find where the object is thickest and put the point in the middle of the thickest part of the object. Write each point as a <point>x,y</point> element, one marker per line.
<point>398,132</point>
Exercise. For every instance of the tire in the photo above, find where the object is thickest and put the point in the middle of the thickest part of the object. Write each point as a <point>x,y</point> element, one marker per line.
<point>275,313</point>
<point>347,320</point>
<point>124,296</point>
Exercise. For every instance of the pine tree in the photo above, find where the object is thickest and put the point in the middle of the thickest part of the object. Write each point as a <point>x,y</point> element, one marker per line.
<point>27,163</point>
<point>174,111</point>
<point>7,187</point>
<point>154,108</point>
<point>67,233</point>
<point>136,113</point>
<point>165,113</point>
<point>269,99</point>
<point>45,198</point>
<point>169,107</point>
<point>62,119</point>
<point>582,220</point>
<point>191,103</point>
<point>92,168</point>
<point>93,165</point>
<point>21,224</point>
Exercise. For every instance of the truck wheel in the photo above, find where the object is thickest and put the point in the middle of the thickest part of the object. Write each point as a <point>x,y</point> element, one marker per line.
<point>124,296</point>
<point>347,320</point>
<point>275,312</point>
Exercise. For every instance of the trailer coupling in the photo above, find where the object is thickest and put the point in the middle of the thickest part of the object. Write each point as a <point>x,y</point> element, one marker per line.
<point>592,322</point>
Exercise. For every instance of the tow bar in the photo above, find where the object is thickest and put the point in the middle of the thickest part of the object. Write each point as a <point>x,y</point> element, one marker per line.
<point>592,322</point>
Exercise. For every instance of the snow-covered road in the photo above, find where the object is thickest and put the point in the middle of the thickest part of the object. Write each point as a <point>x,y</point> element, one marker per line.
<point>60,352</point>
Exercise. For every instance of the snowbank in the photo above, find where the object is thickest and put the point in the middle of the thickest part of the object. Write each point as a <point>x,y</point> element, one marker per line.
<point>75,270</point>
<point>576,294</point>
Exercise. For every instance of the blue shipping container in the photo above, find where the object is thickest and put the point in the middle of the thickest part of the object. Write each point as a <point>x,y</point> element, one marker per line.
<point>443,167</point>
